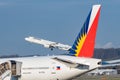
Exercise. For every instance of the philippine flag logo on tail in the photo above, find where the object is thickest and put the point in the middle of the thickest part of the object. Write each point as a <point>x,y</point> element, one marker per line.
<point>85,41</point>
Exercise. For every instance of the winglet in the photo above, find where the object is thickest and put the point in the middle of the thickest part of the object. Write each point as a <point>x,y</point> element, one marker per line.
<point>85,41</point>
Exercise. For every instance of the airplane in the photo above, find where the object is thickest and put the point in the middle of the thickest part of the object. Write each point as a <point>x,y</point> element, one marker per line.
<point>60,67</point>
<point>48,44</point>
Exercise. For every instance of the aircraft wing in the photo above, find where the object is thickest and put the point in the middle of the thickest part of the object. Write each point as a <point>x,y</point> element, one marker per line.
<point>71,64</point>
<point>48,44</point>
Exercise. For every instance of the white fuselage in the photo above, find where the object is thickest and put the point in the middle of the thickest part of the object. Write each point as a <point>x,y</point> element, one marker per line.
<point>46,68</point>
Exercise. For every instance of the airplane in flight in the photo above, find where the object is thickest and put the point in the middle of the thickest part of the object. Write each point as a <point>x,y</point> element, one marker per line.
<point>48,44</point>
<point>63,67</point>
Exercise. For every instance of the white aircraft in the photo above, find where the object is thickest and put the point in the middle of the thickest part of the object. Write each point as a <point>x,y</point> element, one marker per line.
<point>66,67</point>
<point>48,44</point>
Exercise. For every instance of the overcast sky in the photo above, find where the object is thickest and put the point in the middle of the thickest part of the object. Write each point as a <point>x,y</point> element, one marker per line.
<point>55,20</point>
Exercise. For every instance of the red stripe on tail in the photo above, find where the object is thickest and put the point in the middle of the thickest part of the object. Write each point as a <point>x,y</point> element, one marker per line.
<point>88,46</point>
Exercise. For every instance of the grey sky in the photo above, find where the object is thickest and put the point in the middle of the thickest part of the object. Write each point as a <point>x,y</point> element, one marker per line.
<point>55,20</point>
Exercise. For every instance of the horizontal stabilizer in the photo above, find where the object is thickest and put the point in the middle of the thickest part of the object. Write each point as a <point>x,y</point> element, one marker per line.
<point>71,64</point>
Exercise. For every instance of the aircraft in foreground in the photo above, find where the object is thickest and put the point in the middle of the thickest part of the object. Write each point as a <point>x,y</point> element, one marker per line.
<point>66,67</point>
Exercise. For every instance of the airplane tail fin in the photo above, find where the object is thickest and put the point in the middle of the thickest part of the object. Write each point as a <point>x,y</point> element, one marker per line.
<point>85,41</point>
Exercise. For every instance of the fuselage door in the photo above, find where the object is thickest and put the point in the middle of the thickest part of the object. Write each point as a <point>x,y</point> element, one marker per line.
<point>16,68</point>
